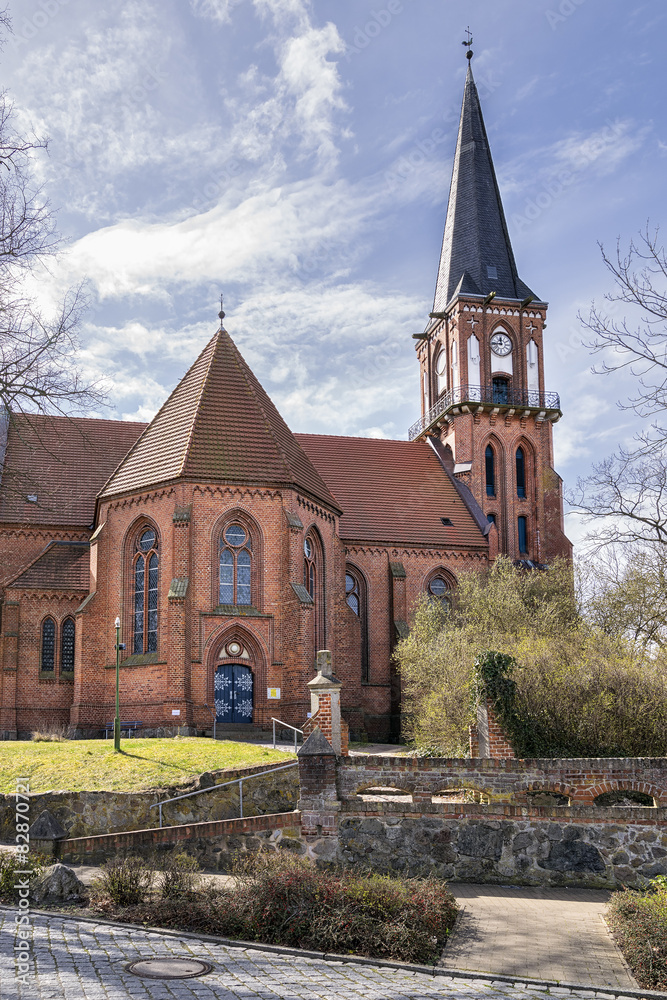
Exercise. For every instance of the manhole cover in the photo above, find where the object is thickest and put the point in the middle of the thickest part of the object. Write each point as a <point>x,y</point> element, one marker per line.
<point>169,968</point>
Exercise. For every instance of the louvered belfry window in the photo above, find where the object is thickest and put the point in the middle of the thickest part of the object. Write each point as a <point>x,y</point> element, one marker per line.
<point>235,566</point>
<point>145,567</point>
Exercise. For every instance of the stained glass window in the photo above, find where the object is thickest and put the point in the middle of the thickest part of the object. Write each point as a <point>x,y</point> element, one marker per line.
<point>236,567</point>
<point>67,646</point>
<point>48,662</point>
<point>145,609</point>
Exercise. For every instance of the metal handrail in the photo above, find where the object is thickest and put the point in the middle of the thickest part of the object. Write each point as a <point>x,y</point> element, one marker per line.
<point>485,395</point>
<point>287,726</point>
<point>223,784</point>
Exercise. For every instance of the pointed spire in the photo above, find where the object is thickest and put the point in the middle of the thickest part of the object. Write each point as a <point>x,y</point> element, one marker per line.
<point>476,254</point>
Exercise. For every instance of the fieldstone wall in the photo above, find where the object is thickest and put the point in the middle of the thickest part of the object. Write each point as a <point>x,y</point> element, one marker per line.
<point>596,823</point>
<point>552,847</point>
<point>86,814</point>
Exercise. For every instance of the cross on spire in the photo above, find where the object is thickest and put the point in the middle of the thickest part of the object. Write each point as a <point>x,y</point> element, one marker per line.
<point>468,43</point>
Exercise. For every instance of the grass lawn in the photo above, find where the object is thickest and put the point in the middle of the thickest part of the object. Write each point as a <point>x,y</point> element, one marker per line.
<point>92,765</point>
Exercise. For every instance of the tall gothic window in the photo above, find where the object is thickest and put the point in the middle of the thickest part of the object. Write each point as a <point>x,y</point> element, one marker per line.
<point>145,577</point>
<point>313,581</point>
<point>355,596</point>
<point>67,633</point>
<point>235,566</point>
<point>48,655</point>
<point>523,536</point>
<point>520,473</point>
<point>490,469</point>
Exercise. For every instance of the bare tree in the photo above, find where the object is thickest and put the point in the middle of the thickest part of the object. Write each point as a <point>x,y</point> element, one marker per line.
<point>39,372</point>
<point>640,280</point>
<point>626,495</point>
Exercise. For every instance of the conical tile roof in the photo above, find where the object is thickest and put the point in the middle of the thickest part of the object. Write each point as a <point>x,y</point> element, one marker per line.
<point>218,425</point>
<point>476,254</point>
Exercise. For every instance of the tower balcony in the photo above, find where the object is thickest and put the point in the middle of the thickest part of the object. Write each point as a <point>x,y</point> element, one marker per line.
<point>499,398</point>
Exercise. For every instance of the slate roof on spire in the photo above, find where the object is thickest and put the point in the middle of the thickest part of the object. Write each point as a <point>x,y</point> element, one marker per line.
<point>476,254</point>
<point>218,425</point>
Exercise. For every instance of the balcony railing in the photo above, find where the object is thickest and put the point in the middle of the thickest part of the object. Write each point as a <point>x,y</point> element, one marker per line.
<point>485,395</point>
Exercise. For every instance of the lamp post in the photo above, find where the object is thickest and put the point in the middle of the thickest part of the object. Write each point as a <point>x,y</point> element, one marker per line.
<point>116,721</point>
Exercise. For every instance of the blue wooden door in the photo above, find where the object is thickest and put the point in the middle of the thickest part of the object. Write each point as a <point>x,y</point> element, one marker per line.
<point>233,693</point>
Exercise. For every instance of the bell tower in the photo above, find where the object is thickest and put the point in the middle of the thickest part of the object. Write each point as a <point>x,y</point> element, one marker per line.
<point>483,391</point>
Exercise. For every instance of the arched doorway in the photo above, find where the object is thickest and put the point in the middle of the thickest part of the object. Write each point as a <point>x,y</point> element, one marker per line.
<point>233,693</point>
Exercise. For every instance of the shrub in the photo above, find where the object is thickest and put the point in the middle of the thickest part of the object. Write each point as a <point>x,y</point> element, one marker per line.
<point>280,899</point>
<point>179,875</point>
<point>639,923</point>
<point>574,691</point>
<point>125,881</point>
<point>11,864</point>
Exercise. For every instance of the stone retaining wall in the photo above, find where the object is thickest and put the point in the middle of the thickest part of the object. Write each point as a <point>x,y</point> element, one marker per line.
<point>86,814</point>
<point>506,844</point>
<point>215,845</point>
<point>573,837</point>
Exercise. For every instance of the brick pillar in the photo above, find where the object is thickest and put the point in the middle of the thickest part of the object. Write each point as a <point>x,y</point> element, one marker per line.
<point>319,804</point>
<point>10,660</point>
<point>325,705</point>
<point>492,741</point>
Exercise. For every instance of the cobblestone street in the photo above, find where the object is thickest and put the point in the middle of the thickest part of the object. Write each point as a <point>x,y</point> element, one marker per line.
<point>78,960</point>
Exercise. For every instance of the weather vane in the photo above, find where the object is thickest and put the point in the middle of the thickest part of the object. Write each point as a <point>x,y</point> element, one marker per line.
<point>468,44</point>
<point>221,314</point>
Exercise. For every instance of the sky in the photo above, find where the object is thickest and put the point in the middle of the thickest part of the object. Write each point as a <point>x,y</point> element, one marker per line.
<point>296,156</point>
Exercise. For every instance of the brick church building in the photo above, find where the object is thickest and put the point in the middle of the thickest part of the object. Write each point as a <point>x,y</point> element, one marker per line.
<point>233,549</point>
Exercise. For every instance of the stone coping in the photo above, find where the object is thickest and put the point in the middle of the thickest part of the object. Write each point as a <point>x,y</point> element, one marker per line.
<point>428,970</point>
<point>648,815</point>
<point>506,763</point>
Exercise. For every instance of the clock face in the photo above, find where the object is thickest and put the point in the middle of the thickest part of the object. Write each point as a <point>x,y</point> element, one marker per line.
<point>501,344</point>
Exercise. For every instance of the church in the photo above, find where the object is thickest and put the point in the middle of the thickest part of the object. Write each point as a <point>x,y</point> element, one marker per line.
<point>231,549</point>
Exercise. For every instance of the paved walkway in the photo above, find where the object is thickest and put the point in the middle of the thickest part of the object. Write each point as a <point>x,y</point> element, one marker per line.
<point>76,960</point>
<point>555,934</point>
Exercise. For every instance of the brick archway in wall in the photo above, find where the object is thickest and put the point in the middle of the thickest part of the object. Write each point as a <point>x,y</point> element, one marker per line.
<point>238,645</point>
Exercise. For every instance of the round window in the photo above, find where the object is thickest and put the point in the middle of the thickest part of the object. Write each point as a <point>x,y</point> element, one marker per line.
<point>147,540</point>
<point>308,548</point>
<point>441,363</point>
<point>234,648</point>
<point>437,586</point>
<point>235,535</point>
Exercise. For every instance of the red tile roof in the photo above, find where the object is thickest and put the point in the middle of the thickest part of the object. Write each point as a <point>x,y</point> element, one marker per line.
<point>392,491</point>
<point>63,462</point>
<point>61,566</point>
<point>218,425</point>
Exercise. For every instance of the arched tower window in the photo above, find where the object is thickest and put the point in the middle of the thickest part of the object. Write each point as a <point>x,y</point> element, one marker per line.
<point>520,473</point>
<point>235,565</point>
<point>48,655</point>
<point>67,646</point>
<point>313,581</point>
<point>441,370</point>
<point>490,470</point>
<point>145,578</point>
<point>355,596</point>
